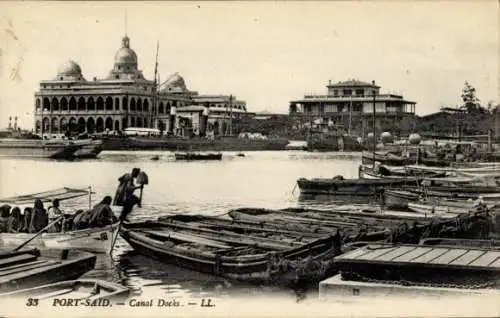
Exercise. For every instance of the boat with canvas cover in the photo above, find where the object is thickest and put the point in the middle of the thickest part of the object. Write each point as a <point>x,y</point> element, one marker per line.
<point>86,290</point>
<point>95,239</point>
<point>33,267</point>
<point>231,257</point>
<point>355,187</point>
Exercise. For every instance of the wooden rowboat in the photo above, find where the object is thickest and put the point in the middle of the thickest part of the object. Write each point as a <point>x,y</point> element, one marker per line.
<point>97,240</point>
<point>85,290</point>
<point>33,267</point>
<point>231,258</point>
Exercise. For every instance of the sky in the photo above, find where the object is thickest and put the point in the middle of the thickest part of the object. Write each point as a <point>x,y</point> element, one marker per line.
<point>266,53</point>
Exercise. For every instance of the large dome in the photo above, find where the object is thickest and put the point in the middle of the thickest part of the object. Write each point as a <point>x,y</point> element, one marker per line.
<point>69,68</point>
<point>125,55</point>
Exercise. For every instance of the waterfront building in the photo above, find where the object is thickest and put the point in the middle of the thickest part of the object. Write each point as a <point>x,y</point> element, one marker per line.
<point>348,107</point>
<point>124,98</point>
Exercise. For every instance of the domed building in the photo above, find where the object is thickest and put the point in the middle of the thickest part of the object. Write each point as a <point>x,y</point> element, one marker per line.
<point>124,98</point>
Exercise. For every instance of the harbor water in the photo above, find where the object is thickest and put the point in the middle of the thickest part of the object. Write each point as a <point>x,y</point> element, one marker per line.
<point>259,179</point>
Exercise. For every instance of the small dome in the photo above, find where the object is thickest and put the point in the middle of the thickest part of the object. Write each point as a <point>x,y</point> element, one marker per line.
<point>386,137</point>
<point>70,68</point>
<point>414,139</point>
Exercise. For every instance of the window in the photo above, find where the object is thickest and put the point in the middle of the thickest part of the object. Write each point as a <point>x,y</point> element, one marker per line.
<point>360,92</point>
<point>347,92</point>
<point>335,92</point>
<point>331,108</point>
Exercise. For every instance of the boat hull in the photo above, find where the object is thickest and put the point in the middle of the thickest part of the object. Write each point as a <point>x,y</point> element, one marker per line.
<point>194,144</point>
<point>50,267</point>
<point>198,156</point>
<point>98,240</point>
<point>257,268</point>
<point>52,149</point>
<point>353,187</point>
<point>97,289</point>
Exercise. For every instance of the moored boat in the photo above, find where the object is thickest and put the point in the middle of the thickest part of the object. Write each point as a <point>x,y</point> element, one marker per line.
<point>87,290</point>
<point>341,186</point>
<point>37,148</point>
<point>51,148</point>
<point>228,143</point>
<point>33,267</point>
<point>197,156</point>
<point>231,259</point>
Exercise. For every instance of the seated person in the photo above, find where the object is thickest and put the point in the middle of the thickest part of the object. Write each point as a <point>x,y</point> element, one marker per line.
<point>15,221</point>
<point>39,217</point>
<point>54,213</point>
<point>4,217</point>
<point>102,214</point>
<point>81,220</point>
<point>26,220</point>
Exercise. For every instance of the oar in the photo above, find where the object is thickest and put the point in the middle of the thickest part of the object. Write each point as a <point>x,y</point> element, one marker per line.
<point>116,236</point>
<point>38,233</point>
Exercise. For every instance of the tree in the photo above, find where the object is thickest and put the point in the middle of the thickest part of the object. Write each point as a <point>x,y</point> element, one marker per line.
<point>470,101</point>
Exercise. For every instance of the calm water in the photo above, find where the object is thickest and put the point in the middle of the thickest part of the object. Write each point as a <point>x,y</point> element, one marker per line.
<point>260,179</point>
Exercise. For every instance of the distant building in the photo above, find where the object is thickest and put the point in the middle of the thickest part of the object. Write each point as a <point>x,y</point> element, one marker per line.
<point>348,106</point>
<point>124,98</point>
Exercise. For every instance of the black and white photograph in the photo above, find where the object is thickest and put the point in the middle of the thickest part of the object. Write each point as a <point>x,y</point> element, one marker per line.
<point>250,159</point>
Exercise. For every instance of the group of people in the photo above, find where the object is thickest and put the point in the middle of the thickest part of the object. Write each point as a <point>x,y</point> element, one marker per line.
<point>31,220</point>
<point>36,218</point>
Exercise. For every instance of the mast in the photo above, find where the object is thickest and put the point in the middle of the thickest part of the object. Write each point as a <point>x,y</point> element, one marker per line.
<point>155,91</point>
<point>350,115</point>
<point>230,115</point>
<point>374,137</point>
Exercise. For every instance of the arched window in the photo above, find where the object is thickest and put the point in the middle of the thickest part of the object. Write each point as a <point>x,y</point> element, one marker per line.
<point>125,104</point>
<point>64,104</point>
<point>81,104</point>
<point>91,103</point>
<point>99,126</point>
<point>132,104</point>
<point>100,103</point>
<point>72,103</point>
<point>109,103</point>
<point>109,124</point>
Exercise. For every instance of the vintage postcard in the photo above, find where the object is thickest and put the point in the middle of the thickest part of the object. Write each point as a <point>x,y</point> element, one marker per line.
<point>249,159</point>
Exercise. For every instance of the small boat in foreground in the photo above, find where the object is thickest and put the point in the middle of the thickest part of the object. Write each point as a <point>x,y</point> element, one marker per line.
<point>198,156</point>
<point>97,240</point>
<point>88,290</point>
<point>33,267</point>
<point>94,239</point>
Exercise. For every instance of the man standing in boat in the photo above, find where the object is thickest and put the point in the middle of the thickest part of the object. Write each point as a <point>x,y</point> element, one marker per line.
<point>125,193</point>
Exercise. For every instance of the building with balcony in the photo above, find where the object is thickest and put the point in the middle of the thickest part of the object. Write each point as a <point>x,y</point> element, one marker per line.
<point>124,98</point>
<point>349,107</point>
